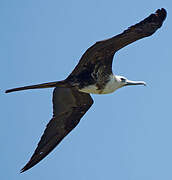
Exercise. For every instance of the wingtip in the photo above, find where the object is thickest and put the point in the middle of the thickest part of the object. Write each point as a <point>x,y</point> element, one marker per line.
<point>25,168</point>
<point>157,18</point>
<point>161,13</point>
<point>161,10</point>
<point>22,170</point>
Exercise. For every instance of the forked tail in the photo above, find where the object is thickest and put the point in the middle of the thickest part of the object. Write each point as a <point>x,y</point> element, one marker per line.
<point>38,86</point>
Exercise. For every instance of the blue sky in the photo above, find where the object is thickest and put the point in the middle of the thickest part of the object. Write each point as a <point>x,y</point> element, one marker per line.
<point>125,135</point>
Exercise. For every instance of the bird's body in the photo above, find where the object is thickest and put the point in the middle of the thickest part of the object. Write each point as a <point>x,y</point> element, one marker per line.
<point>92,75</point>
<point>110,86</point>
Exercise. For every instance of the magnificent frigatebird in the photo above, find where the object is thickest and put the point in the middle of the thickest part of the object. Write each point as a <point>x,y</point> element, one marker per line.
<point>93,74</point>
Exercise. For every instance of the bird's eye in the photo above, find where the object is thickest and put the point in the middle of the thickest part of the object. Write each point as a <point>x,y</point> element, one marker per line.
<point>123,79</point>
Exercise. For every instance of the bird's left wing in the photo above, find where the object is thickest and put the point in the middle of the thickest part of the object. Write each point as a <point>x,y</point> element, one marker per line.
<point>69,105</point>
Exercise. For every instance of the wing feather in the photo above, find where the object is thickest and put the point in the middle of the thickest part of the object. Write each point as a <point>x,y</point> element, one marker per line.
<point>104,50</point>
<point>69,105</point>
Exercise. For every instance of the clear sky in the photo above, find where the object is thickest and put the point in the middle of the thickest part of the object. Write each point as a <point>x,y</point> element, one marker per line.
<point>126,135</point>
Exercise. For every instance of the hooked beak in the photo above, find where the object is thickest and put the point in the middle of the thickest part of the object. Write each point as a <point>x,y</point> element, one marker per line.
<point>128,83</point>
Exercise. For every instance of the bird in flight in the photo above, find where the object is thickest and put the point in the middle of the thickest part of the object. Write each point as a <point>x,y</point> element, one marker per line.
<point>92,75</point>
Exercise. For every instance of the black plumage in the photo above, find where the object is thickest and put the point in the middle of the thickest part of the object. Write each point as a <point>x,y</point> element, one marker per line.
<point>94,68</point>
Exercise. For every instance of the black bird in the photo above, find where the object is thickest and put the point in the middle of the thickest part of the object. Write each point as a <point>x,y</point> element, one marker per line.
<point>93,74</point>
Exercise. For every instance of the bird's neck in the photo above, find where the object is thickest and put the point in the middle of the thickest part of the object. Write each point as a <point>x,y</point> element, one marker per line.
<point>112,85</point>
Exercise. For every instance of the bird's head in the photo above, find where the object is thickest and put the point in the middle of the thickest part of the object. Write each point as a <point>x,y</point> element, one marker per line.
<point>123,81</point>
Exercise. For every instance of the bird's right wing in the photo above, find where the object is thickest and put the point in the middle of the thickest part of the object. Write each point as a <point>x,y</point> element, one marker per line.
<point>138,31</point>
<point>69,105</point>
<point>102,51</point>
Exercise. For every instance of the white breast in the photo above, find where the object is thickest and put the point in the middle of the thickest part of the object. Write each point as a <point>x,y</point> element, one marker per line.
<point>110,87</point>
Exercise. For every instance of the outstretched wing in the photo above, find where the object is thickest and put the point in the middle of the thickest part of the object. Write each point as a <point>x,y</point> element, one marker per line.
<point>102,52</point>
<point>69,105</point>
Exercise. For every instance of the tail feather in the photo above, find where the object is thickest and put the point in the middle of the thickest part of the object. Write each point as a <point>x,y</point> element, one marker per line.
<point>38,86</point>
